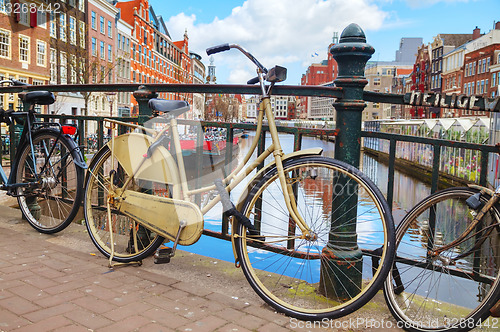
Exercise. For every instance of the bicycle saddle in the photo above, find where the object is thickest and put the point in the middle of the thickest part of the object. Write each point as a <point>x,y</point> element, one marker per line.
<point>38,97</point>
<point>174,107</point>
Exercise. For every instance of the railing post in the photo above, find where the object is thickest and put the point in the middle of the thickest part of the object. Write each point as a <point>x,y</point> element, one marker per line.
<point>351,54</point>
<point>142,95</point>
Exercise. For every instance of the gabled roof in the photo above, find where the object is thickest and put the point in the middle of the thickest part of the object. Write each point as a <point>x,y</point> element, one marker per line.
<point>163,26</point>
<point>455,39</point>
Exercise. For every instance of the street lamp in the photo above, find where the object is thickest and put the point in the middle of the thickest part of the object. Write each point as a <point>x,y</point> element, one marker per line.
<point>110,97</point>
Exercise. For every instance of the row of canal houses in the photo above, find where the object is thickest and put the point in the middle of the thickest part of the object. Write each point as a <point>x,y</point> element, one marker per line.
<point>92,42</point>
<point>452,63</point>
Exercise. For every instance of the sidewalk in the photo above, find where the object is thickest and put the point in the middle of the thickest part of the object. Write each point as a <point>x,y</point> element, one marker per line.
<point>61,283</point>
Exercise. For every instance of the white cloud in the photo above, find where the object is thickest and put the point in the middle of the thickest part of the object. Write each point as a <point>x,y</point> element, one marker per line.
<point>277,31</point>
<point>428,3</point>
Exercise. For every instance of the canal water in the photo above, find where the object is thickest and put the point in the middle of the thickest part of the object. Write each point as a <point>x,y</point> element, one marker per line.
<point>407,192</point>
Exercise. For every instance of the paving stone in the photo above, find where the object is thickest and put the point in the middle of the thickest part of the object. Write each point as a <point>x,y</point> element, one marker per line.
<point>46,324</point>
<point>18,305</point>
<point>88,318</point>
<point>207,324</point>
<point>45,313</point>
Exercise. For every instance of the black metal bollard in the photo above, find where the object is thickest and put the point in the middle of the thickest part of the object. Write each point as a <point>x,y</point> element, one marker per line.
<point>342,271</point>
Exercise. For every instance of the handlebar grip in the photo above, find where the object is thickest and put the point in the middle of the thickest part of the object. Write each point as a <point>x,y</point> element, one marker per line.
<point>253,80</point>
<point>217,49</point>
<point>18,83</point>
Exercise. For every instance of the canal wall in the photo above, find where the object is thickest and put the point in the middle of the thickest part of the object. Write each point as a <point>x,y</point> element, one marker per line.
<point>418,171</point>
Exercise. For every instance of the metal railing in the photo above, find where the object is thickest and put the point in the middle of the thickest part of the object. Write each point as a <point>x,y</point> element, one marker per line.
<point>351,55</point>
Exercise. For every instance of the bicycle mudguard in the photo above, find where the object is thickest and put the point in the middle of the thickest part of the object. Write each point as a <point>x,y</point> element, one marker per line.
<point>162,215</point>
<point>131,150</point>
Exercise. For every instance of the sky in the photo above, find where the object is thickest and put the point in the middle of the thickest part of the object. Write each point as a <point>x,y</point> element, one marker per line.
<point>290,32</point>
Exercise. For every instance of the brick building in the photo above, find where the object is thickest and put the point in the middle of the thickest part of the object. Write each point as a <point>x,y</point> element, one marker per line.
<point>198,77</point>
<point>452,77</point>
<point>101,55</point>
<point>421,79</point>
<point>155,58</point>
<point>123,65</point>
<point>68,56</point>
<point>323,73</point>
<point>442,44</point>
<point>24,49</point>
<point>481,55</point>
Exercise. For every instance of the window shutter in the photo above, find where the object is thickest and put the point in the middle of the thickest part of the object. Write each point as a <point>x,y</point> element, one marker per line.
<point>33,18</point>
<point>16,10</point>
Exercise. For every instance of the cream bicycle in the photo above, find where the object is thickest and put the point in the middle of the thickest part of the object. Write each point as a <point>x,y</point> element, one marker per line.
<point>302,221</point>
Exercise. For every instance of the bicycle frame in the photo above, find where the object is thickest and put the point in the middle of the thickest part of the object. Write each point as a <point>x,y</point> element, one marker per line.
<point>495,197</point>
<point>25,136</point>
<point>180,188</point>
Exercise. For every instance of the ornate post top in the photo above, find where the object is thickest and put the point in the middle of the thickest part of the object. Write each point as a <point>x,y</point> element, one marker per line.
<point>352,52</point>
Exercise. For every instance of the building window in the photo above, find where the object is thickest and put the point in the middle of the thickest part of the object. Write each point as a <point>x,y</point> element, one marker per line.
<point>494,79</point>
<point>72,66</point>
<point>62,26</point>
<point>4,44</point>
<point>94,46</point>
<point>40,53</point>
<point>63,62</point>
<point>24,48</point>
<point>82,34</point>
<point>53,66</point>
<point>41,19</point>
<point>72,3</point>
<point>110,53</point>
<point>93,21</point>
<point>72,30</point>
<point>101,24</point>
<point>103,55</point>
<point>119,36</point>
<point>24,15</point>
<point>110,30</point>
<point>81,5</point>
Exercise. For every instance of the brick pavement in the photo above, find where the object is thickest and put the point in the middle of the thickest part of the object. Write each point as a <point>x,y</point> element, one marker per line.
<point>59,283</point>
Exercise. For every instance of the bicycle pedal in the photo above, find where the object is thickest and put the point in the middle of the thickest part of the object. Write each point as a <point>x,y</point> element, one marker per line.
<point>163,255</point>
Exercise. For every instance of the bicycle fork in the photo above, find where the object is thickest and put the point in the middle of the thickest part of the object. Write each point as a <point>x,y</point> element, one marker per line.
<point>288,193</point>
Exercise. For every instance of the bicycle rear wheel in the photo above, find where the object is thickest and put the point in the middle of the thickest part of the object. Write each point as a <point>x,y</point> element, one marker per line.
<point>435,294</point>
<point>313,279</point>
<point>51,204</point>
<point>129,246</point>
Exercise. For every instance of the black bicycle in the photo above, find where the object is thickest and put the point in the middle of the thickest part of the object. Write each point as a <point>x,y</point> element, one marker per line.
<point>47,171</point>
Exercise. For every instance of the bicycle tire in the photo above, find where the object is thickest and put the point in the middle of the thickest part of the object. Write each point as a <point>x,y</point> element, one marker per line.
<point>96,219</point>
<point>437,295</point>
<point>53,204</point>
<point>279,279</point>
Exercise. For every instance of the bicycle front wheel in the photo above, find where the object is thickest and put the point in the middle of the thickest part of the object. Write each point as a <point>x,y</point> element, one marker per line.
<point>344,262</point>
<point>53,199</point>
<point>131,241</point>
<point>440,293</point>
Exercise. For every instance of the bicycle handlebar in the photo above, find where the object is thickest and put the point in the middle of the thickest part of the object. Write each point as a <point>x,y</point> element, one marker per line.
<point>218,48</point>
<point>227,47</point>
<point>14,82</point>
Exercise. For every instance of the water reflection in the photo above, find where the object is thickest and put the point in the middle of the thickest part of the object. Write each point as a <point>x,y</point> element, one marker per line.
<point>407,191</point>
